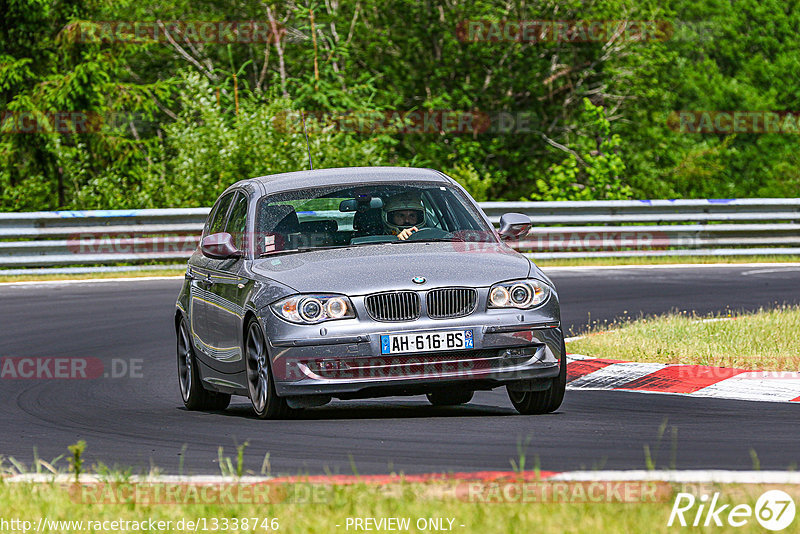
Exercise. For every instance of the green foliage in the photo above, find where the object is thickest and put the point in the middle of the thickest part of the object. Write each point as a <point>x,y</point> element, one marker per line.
<point>594,171</point>
<point>478,185</point>
<point>76,460</point>
<point>211,146</point>
<point>182,120</point>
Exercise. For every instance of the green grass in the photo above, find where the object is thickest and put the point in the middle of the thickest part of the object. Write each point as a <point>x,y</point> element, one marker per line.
<point>325,509</point>
<point>766,340</point>
<point>665,260</point>
<point>520,502</point>
<point>90,276</point>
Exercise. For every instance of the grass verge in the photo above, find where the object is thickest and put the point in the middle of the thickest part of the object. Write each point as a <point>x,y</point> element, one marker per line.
<point>297,507</point>
<point>765,340</point>
<point>665,260</point>
<point>90,276</point>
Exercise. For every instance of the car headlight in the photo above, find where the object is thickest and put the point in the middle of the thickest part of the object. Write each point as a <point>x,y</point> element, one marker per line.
<point>312,309</point>
<point>521,294</point>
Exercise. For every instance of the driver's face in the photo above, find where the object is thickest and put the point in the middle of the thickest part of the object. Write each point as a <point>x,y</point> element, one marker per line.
<point>405,217</point>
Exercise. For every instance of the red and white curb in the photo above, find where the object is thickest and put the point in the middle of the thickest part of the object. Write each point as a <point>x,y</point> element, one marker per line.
<point>584,372</point>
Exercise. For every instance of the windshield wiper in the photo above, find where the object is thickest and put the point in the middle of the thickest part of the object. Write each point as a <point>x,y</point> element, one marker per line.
<point>299,249</point>
<point>429,240</point>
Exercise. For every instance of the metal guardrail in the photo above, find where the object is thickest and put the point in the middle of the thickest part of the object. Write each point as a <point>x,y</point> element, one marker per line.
<point>642,228</point>
<point>104,238</point>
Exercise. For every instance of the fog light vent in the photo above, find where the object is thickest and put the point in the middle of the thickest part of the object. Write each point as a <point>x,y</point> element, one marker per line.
<point>518,352</point>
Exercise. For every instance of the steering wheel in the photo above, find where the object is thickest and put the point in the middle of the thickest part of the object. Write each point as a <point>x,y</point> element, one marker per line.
<point>429,233</point>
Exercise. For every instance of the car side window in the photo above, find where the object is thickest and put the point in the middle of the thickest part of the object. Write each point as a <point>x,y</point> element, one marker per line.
<point>237,222</point>
<point>217,221</point>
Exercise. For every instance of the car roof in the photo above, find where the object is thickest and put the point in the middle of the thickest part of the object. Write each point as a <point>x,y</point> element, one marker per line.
<point>274,183</point>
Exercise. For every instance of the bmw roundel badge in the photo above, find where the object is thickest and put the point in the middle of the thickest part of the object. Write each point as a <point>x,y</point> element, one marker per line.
<point>418,279</point>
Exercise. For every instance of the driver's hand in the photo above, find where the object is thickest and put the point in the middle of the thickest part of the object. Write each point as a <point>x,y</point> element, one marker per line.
<point>402,236</point>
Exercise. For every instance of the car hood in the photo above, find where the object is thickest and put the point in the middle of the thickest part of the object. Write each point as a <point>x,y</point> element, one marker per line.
<point>386,267</point>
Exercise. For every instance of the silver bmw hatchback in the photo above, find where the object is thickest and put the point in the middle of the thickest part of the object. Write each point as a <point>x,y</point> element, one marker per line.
<point>363,282</point>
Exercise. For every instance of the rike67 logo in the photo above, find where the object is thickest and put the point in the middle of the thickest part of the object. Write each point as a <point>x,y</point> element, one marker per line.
<point>774,510</point>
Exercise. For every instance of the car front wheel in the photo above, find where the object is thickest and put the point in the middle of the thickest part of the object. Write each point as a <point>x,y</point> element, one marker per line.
<point>546,401</point>
<point>194,395</point>
<point>260,386</point>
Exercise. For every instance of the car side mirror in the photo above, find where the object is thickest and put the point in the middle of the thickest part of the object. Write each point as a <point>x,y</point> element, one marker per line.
<point>514,225</point>
<point>219,246</point>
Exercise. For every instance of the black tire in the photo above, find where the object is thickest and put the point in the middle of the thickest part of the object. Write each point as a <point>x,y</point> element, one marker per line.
<point>547,401</point>
<point>450,398</point>
<point>260,383</point>
<point>194,395</point>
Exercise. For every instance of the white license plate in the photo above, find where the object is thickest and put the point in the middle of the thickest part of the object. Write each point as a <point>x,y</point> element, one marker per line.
<point>427,341</point>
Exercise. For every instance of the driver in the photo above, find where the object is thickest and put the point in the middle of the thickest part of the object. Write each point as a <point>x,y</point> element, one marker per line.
<point>403,214</point>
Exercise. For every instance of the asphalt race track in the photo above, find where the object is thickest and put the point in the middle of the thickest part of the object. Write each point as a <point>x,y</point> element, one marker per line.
<point>140,421</point>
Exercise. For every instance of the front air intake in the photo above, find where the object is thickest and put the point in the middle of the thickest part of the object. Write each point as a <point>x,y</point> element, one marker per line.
<point>394,306</point>
<point>450,303</point>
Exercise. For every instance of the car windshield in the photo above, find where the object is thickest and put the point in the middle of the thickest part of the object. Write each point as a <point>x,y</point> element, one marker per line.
<point>366,214</point>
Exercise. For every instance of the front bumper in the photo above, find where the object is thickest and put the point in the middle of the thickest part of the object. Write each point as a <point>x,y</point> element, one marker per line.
<point>343,359</point>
